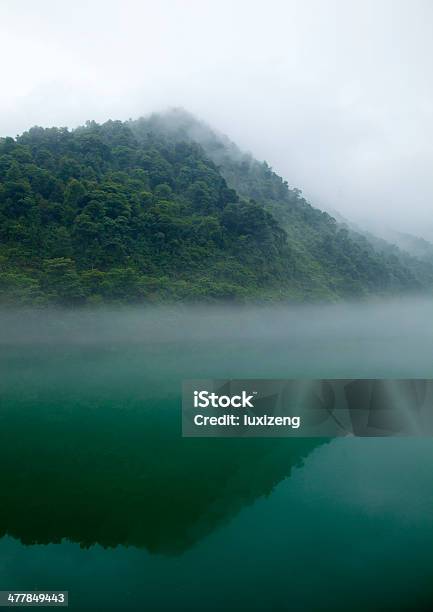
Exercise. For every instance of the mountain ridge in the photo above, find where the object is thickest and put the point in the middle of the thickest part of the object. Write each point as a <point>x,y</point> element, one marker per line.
<point>164,209</point>
<point>277,194</point>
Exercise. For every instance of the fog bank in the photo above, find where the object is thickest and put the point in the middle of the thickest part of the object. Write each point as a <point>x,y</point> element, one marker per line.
<point>335,95</point>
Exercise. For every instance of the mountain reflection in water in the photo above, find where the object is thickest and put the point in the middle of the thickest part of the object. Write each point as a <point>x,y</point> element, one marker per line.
<point>100,494</point>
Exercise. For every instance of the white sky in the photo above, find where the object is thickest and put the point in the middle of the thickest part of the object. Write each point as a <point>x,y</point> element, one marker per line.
<point>337,95</point>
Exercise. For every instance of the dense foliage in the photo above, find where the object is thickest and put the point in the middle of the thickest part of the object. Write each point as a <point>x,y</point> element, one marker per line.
<point>331,260</point>
<point>94,215</point>
<point>141,211</point>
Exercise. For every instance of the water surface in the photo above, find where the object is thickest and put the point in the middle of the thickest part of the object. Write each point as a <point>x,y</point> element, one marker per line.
<point>101,496</point>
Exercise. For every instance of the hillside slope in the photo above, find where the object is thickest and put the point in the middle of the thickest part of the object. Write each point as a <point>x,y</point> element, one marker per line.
<point>93,215</point>
<point>334,260</point>
<point>163,209</point>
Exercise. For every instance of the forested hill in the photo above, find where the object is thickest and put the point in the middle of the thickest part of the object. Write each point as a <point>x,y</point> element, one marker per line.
<point>145,211</point>
<point>334,257</point>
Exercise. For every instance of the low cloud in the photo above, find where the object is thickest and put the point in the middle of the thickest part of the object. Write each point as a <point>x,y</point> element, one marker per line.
<point>337,96</point>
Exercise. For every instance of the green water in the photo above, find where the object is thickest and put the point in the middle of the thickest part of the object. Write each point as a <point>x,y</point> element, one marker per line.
<point>100,495</point>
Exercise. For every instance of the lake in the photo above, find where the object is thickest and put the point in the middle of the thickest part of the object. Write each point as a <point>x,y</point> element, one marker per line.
<point>101,496</point>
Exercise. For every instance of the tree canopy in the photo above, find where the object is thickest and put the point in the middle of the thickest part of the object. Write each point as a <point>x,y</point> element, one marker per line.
<point>127,212</point>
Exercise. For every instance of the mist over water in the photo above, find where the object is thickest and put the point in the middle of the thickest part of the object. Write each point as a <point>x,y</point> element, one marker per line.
<point>383,338</point>
<point>104,497</point>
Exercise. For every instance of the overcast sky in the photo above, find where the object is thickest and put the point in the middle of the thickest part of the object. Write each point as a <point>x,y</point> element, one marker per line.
<point>336,95</point>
